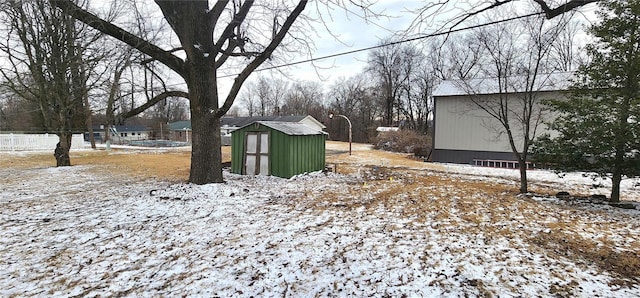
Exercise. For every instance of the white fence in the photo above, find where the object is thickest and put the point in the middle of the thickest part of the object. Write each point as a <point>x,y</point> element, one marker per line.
<point>25,142</point>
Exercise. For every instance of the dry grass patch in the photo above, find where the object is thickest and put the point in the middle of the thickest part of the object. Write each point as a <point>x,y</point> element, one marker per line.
<point>170,165</point>
<point>443,202</point>
<point>361,156</point>
<point>624,264</point>
<point>27,161</point>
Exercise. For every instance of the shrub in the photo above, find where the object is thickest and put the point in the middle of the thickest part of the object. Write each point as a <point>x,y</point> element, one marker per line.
<point>405,141</point>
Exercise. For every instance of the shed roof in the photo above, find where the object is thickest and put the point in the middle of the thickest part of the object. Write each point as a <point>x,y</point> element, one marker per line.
<point>244,121</point>
<point>290,128</point>
<point>517,84</point>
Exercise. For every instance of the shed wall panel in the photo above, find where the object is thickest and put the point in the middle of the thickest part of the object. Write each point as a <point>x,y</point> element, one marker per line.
<point>279,150</point>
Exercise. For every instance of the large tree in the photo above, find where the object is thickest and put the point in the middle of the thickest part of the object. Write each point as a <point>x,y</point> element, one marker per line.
<point>598,126</point>
<point>304,98</point>
<point>49,61</point>
<point>210,37</point>
<point>264,96</point>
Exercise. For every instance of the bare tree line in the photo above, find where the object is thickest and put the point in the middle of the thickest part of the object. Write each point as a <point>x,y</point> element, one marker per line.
<point>136,60</point>
<point>396,86</point>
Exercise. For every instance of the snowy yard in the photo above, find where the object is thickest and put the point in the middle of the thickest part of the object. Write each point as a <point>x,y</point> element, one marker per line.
<point>369,230</point>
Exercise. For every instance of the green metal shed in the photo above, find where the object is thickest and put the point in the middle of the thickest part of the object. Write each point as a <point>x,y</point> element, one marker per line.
<point>281,149</point>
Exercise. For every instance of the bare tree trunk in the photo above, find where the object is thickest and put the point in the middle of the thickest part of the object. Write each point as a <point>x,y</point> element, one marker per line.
<point>523,175</point>
<point>615,185</point>
<point>205,148</point>
<point>206,154</point>
<point>618,164</point>
<point>61,153</point>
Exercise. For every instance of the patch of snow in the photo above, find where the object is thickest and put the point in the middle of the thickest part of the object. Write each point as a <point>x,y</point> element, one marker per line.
<point>70,232</point>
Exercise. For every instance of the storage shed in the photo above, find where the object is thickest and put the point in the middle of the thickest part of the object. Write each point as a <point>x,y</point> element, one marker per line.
<point>281,149</point>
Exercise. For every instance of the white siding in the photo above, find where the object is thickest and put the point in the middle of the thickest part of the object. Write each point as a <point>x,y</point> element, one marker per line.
<point>461,125</point>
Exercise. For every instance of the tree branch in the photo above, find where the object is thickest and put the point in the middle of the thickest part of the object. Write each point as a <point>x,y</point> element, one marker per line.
<point>228,31</point>
<point>216,11</point>
<point>277,39</point>
<point>492,6</point>
<point>554,12</point>
<point>166,58</point>
<point>154,101</point>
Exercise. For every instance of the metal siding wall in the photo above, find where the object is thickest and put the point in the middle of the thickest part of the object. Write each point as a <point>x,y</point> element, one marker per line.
<point>321,158</point>
<point>288,155</point>
<point>461,126</point>
<point>278,147</point>
<point>316,162</point>
<point>237,150</point>
<point>307,154</point>
<point>294,156</point>
<point>320,153</point>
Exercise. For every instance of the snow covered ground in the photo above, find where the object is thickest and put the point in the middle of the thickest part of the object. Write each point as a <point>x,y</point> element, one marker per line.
<point>81,231</point>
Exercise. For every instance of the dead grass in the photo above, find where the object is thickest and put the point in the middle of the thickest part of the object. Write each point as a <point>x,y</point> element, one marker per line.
<point>624,264</point>
<point>361,155</point>
<point>170,166</point>
<point>30,161</point>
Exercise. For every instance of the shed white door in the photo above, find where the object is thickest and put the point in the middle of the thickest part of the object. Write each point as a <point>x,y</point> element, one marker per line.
<point>256,160</point>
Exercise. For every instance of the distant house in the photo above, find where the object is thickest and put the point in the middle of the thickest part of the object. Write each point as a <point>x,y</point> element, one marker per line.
<point>120,134</point>
<point>181,130</point>
<point>281,149</point>
<point>463,133</point>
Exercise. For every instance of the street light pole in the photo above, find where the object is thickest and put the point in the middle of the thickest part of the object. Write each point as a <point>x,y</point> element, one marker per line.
<point>348,121</point>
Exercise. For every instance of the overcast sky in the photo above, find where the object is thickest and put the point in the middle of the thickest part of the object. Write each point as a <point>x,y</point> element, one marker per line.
<point>342,31</point>
<point>353,31</point>
<point>349,30</point>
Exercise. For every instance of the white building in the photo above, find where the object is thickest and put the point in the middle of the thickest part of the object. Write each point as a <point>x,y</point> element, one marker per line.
<point>465,133</point>
<point>121,134</point>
